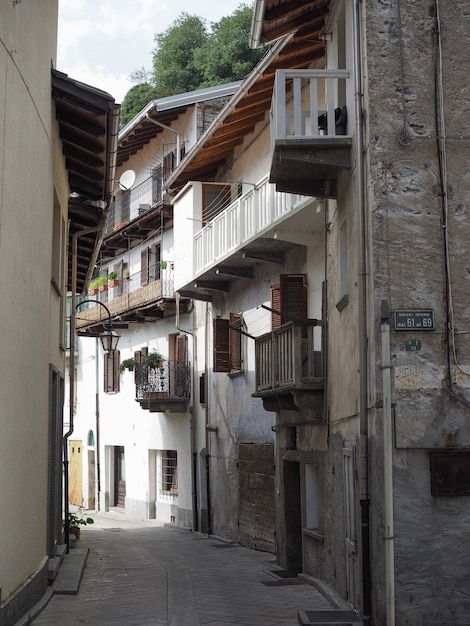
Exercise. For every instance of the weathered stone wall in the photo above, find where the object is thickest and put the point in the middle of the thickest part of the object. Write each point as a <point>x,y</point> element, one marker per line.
<point>412,269</point>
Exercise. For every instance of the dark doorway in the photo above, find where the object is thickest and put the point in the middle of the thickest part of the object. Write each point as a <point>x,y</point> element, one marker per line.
<point>119,476</point>
<point>293,517</point>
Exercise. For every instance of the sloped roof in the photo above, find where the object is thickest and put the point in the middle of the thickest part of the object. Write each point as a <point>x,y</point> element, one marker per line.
<point>301,47</point>
<point>141,130</point>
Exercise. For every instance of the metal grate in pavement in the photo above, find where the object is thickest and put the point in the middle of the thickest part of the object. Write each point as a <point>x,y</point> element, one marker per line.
<point>329,618</point>
<point>282,582</point>
<point>223,545</point>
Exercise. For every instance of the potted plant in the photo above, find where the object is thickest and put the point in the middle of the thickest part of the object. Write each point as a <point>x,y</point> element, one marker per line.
<point>154,359</point>
<point>93,288</point>
<point>127,364</point>
<point>113,279</point>
<point>102,282</point>
<point>127,274</point>
<point>75,520</point>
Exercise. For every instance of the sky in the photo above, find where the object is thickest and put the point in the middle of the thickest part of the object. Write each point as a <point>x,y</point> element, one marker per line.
<point>100,42</point>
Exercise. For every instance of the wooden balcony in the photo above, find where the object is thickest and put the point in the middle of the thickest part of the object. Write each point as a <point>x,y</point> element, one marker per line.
<point>137,298</point>
<point>310,131</point>
<point>290,371</point>
<point>163,389</point>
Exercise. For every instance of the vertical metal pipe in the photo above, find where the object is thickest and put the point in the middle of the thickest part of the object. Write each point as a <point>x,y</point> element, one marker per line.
<point>362,314</point>
<point>388,477</point>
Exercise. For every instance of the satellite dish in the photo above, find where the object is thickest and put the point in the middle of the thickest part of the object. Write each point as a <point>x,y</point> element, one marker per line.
<point>127,180</point>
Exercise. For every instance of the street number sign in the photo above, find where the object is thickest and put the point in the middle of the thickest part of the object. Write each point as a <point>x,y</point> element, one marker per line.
<point>414,320</point>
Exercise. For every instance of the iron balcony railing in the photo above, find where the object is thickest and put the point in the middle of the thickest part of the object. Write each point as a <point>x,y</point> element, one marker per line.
<point>170,380</point>
<point>134,202</point>
<point>138,289</point>
<point>244,220</point>
<point>309,104</point>
<point>291,357</point>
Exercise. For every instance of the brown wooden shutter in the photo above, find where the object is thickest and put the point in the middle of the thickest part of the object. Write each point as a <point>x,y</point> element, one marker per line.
<point>235,345</point>
<point>144,266</point>
<point>181,349</point>
<point>293,296</point>
<point>168,164</point>
<point>276,306</point>
<point>221,345</point>
<point>111,362</point>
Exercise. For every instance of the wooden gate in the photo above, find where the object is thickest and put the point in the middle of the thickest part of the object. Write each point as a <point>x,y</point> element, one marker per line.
<point>256,521</point>
<point>75,472</point>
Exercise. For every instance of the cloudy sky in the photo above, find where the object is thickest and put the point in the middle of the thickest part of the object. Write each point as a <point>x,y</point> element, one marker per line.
<point>102,41</point>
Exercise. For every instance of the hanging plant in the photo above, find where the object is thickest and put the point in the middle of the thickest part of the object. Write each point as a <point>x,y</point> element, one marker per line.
<point>153,359</point>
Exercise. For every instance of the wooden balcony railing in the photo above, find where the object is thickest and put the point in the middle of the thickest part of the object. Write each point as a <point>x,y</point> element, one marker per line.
<point>290,358</point>
<point>139,289</point>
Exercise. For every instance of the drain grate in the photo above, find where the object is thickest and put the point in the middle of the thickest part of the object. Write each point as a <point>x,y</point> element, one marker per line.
<point>329,618</point>
<point>223,545</point>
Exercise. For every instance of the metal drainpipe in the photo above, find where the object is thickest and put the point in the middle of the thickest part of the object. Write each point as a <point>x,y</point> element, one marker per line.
<point>364,494</point>
<point>75,236</point>
<point>192,419</point>
<point>388,477</point>
<point>97,421</point>
<point>178,150</point>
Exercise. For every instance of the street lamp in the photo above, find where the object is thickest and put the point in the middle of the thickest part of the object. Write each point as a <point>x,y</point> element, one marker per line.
<point>109,337</point>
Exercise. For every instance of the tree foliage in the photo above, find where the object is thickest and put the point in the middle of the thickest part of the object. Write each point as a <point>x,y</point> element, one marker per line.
<point>135,100</point>
<point>191,54</point>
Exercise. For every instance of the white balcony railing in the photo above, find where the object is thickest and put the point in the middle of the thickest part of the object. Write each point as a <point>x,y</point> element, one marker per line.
<point>246,219</point>
<point>306,104</point>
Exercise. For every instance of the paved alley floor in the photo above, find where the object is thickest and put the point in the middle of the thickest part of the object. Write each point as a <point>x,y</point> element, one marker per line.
<point>141,574</point>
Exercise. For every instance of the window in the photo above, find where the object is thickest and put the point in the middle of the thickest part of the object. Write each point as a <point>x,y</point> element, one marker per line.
<point>289,298</point>
<point>215,198</point>
<point>111,371</point>
<point>227,344</point>
<point>168,474</point>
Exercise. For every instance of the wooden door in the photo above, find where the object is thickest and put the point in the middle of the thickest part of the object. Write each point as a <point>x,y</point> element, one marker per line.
<point>351,539</point>
<point>75,472</point>
<point>119,476</point>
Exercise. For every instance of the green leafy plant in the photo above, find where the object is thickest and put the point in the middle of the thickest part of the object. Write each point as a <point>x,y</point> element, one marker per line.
<point>93,285</point>
<point>127,364</point>
<point>77,520</point>
<point>153,359</point>
<point>112,275</point>
<point>101,280</point>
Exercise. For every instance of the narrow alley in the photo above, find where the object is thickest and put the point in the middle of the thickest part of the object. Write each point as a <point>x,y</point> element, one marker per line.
<point>144,574</point>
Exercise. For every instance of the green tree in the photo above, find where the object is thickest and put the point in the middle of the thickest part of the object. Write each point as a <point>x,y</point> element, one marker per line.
<point>226,56</point>
<point>135,100</point>
<point>173,59</point>
<point>189,55</point>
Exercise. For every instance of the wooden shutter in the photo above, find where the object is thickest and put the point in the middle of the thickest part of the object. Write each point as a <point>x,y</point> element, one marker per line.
<point>221,345</point>
<point>144,266</point>
<point>276,306</point>
<point>168,164</point>
<point>293,296</point>
<point>181,349</point>
<point>289,298</point>
<point>111,371</point>
<point>235,343</point>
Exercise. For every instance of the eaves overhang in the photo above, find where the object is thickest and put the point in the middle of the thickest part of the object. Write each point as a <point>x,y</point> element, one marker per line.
<point>88,121</point>
<point>141,130</point>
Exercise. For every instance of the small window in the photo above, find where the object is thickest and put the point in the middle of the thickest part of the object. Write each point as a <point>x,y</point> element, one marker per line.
<point>312,494</point>
<point>168,474</point>
<point>215,198</point>
<point>227,344</point>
